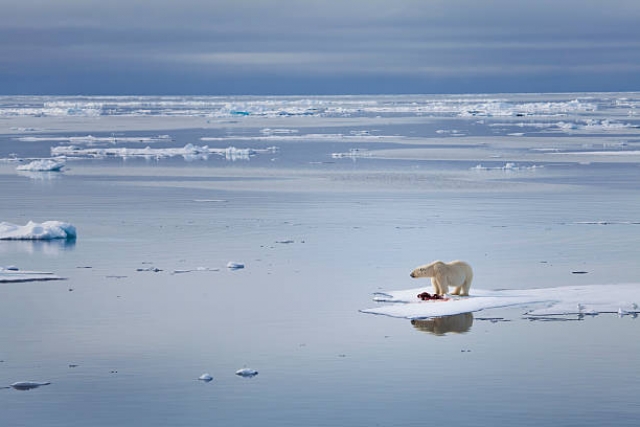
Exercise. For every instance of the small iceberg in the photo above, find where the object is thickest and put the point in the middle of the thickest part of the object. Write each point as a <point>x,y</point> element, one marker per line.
<point>27,385</point>
<point>205,377</point>
<point>48,230</point>
<point>246,372</point>
<point>235,265</point>
<point>44,165</point>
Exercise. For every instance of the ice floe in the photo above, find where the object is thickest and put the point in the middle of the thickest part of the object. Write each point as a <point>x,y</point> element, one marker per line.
<point>576,126</point>
<point>509,166</point>
<point>567,300</point>
<point>43,165</point>
<point>90,140</point>
<point>12,274</point>
<point>189,152</point>
<point>189,270</point>
<point>246,372</point>
<point>359,136</point>
<point>352,153</point>
<point>48,230</point>
<point>205,377</point>
<point>28,385</point>
<point>231,265</point>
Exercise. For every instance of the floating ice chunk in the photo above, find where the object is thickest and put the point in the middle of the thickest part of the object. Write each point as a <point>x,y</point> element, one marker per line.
<point>233,153</point>
<point>28,385</point>
<point>246,372</point>
<point>48,230</point>
<point>14,275</point>
<point>43,165</point>
<point>267,131</point>
<point>508,167</point>
<point>234,265</point>
<point>352,153</point>
<point>581,300</point>
<point>205,377</point>
<point>189,270</point>
<point>152,269</point>
<point>189,152</point>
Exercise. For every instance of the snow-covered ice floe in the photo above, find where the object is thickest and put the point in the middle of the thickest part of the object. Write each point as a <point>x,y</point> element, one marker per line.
<point>189,151</point>
<point>43,165</point>
<point>508,167</point>
<point>231,265</point>
<point>28,385</point>
<point>352,153</point>
<point>205,377</point>
<point>14,275</point>
<point>48,230</point>
<point>246,372</point>
<point>623,299</point>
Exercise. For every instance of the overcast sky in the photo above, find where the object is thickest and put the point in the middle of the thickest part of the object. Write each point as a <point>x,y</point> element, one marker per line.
<point>317,47</point>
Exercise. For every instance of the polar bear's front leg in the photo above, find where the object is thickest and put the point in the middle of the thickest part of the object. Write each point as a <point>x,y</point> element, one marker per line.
<point>439,287</point>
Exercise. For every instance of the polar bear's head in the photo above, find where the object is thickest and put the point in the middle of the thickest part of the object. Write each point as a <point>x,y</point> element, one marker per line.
<point>428,270</point>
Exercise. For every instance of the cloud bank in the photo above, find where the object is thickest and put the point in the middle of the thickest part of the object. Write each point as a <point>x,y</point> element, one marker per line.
<point>317,47</point>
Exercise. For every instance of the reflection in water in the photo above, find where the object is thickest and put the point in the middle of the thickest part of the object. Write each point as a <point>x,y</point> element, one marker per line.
<point>459,324</point>
<point>47,247</point>
<point>41,175</point>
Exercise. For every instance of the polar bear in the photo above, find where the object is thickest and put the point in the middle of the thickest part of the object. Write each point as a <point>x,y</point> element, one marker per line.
<point>444,274</point>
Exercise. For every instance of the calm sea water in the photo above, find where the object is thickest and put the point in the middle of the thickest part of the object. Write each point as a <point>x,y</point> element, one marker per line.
<point>362,189</point>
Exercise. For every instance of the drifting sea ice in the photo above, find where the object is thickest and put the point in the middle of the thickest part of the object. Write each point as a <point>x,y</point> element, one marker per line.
<point>246,372</point>
<point>580,300</point>
<point>205,377</point>
<point>231,265</point>
<point>43,165</point>
<point>27,385</point>
<point>508,167</point>
<point>15,275</point>
<point>48,230</point>
<point>189,152</point>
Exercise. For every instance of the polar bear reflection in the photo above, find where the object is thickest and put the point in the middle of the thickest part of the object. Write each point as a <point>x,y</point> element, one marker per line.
<point>459,324</point>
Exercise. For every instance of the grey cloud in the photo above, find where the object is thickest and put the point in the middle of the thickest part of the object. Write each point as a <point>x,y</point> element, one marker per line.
<point>298,40</point>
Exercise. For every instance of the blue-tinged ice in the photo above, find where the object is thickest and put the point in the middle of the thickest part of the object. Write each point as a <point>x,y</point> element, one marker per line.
<point>48,230</point>
<point>43,165</point>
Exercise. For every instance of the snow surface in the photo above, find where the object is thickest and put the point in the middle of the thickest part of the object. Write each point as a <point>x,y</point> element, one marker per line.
<point>622,299</point>
<point>43,165</point>
<point>48,230</point>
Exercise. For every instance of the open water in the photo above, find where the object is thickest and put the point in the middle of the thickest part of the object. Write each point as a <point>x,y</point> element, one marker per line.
<point>358,191</point>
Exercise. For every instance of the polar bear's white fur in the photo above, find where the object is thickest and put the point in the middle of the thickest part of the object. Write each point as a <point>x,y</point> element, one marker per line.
<point>444,274</point>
